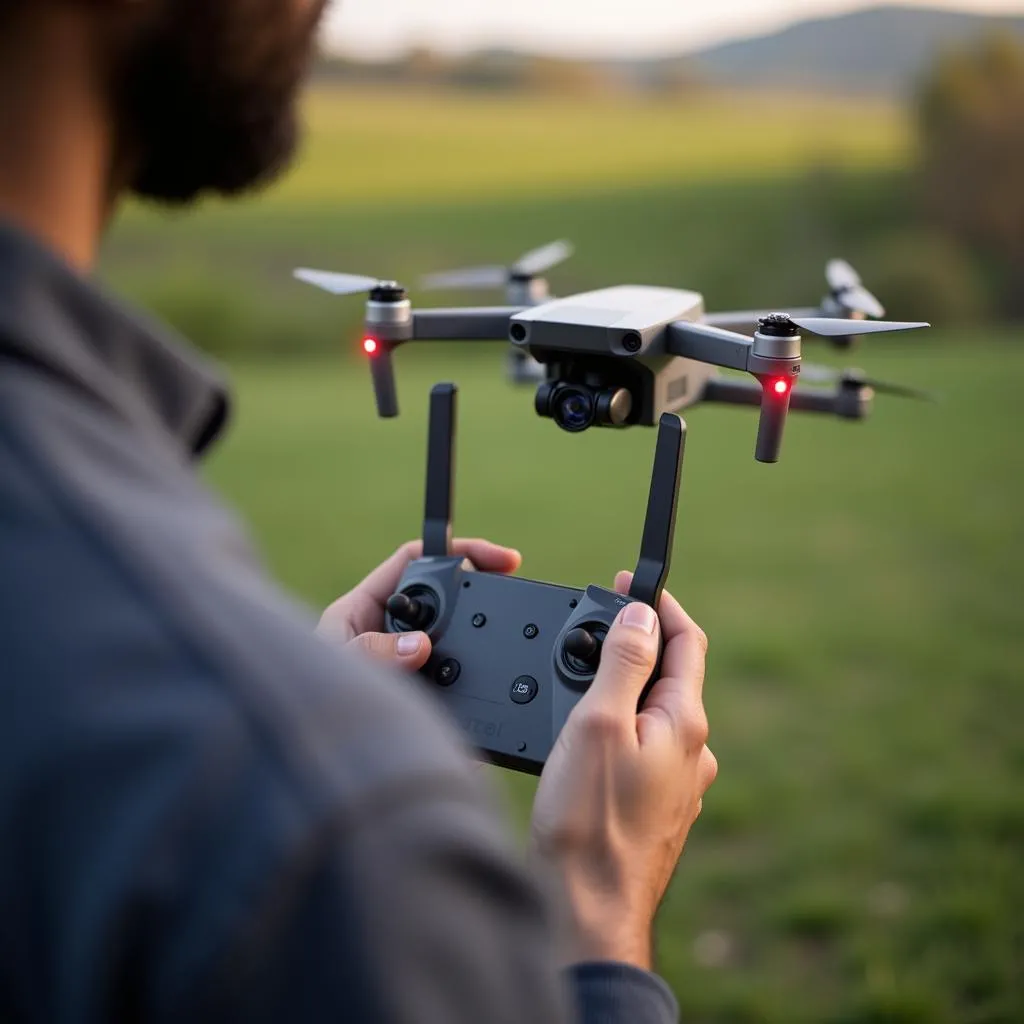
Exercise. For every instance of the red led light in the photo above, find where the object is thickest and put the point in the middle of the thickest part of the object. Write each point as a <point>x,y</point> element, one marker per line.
<point>781,387</point>
<point>370,347</point>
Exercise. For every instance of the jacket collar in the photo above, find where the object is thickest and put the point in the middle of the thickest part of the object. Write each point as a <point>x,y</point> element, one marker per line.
<point>67,325</point>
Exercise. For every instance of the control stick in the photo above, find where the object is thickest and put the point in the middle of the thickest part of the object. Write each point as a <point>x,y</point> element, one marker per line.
<point>584,646</point>
<point>410,612</point>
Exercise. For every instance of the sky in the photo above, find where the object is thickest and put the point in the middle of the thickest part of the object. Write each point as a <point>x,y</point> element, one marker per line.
<point>377,28</point>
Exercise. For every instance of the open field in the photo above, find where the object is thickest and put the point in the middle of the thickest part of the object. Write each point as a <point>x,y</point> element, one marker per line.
<point>379,146</point>
<point>735,197</point>
<point>859,859</point>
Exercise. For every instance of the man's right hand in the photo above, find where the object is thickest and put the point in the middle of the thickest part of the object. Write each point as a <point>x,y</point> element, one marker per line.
<point>622,790</point>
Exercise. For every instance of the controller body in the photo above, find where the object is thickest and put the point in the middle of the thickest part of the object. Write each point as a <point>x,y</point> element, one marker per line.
<point>512,657</point>
<point>501,664</point>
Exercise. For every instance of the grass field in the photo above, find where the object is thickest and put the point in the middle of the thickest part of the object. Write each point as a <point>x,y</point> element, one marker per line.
<point>860,857</point>
<point>859,861</point>
<point>734,196</point>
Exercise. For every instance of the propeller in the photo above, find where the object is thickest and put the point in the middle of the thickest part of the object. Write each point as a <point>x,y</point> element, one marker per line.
<point>814,374</point>
<point>341,284</point>
<point>849,291</point>
<point>827,327</point>
<point>542,260</point>
<point>527,267</point>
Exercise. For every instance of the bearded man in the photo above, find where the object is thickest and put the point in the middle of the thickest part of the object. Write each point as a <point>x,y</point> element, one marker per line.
<point>215,805</point>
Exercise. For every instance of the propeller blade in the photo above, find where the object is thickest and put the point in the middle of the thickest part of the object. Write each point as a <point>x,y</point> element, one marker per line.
<point>826,327</point>
<point>337,284</point>
<point>471,277</point>
<point>541,260</point>
<point>841,276</point>
<point>811,373</point>
<point>899,390</point>
<point>860,300</point>
<point>848,289</point>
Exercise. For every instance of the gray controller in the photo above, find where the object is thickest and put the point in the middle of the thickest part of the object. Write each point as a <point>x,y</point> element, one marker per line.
<point>512,657</point>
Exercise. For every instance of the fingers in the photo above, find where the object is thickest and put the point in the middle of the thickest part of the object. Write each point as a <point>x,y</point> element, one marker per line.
<point>675,621</point>
<point>678,695</point>
<point>487,557</point>
<point>362,609</point>
<point>628,657</point>
<point>407,651</point>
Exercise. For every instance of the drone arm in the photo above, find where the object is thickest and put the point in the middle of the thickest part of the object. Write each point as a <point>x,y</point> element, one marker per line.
<point>390,325</point>
<point>708,344</point>
<point>483,324</point>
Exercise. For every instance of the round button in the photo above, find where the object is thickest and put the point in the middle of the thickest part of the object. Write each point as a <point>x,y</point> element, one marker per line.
<point>479,621</point>
<point>448,672</point>
<point>524,689</point>
<point>531,632</point>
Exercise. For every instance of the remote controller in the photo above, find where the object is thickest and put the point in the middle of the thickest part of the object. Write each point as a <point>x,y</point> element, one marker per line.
<point>512,657</point>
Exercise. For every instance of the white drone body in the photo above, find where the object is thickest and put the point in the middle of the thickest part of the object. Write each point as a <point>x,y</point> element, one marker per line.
<point>625,356</point>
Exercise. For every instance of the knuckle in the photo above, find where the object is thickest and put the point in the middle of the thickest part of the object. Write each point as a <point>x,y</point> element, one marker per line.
<point>601,726</point>
<point>375,643</point>
<point>695,730</point>
<point>701,639</point>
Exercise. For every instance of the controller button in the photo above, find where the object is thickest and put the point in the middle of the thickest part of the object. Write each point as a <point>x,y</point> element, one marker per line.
<point>448,672</point>
<point>531,632</point>
<point>524,689</point>
<point>479,621</point>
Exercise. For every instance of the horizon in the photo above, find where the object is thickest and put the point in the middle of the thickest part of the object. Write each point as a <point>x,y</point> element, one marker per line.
<point>656,27</point>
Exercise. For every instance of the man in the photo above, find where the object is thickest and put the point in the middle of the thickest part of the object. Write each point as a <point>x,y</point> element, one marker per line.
<point>212,809</point>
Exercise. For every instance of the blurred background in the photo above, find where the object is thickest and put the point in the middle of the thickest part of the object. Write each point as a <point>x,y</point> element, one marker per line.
<point>860,859</point>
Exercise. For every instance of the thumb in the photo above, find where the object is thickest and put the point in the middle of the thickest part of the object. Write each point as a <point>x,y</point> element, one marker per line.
<point>628,657</point>
<point>408,651</point>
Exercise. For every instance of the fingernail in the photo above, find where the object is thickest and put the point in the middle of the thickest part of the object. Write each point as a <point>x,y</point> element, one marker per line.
<point>409,644</point>
<point>640,616</point>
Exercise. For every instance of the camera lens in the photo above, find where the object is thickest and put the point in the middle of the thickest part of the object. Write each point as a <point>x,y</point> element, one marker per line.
<point>574,410</point>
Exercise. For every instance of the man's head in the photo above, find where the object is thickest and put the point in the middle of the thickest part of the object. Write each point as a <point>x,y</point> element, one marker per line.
<point>201,94</point>
<point>204,92</point>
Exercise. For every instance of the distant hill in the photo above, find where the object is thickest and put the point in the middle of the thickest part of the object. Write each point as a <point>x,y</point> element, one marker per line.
<point>881,50</point>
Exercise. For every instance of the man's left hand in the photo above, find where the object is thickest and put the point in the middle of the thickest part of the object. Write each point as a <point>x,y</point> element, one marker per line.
<point>357,619</point>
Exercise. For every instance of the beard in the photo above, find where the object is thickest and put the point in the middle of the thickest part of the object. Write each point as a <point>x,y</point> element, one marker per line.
<point>206,95</point>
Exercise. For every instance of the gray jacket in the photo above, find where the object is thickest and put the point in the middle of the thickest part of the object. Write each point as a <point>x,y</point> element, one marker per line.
<point>206,813</point>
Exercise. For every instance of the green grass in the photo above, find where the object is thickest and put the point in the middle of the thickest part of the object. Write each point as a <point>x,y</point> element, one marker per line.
<point>859,858</point>
<point>664,193</point>
<point>378,146</point>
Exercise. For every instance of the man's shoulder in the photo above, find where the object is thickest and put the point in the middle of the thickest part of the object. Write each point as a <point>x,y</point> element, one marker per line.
<point>124,576</point>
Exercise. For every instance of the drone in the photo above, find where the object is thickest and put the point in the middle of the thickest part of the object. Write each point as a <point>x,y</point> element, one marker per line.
<point>627,355</point>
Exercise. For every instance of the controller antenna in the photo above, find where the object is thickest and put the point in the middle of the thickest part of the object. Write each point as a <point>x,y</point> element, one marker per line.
<point>660,525</point>
<point>437,518</point>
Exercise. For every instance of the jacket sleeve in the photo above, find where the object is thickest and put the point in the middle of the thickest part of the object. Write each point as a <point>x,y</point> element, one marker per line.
<point>413,913</point>
<point>608,993</point>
